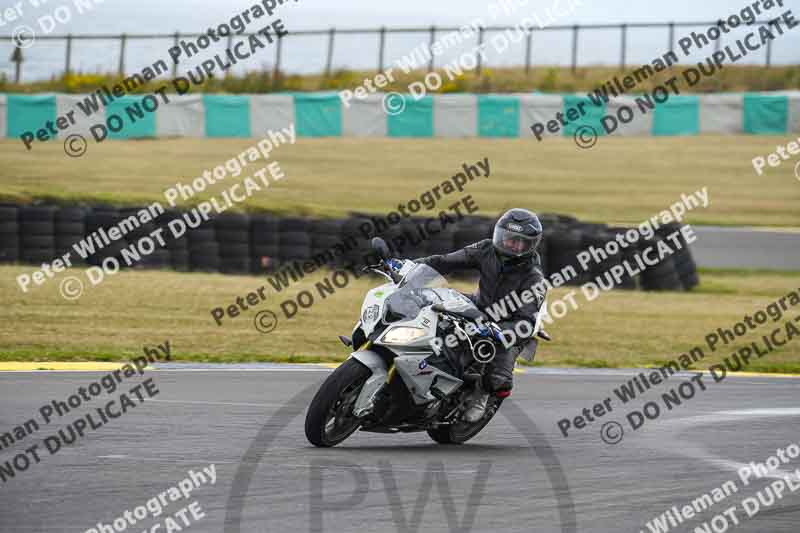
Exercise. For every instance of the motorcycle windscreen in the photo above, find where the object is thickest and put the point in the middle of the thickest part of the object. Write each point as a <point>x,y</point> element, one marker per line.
<point>457,303</point>
<point>406,304</point>
<point>416,291</point>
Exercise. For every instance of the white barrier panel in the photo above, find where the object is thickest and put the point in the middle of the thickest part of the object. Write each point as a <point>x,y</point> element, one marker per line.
<point>365,118</point>
<point>270,112</point>
<point>183,116</point>
<point>538,108</point>
<point>642,123</point>
<point>69,102</point>
<point>455,115</point>
<point>721,113</point>
<point>794,112</point>
<point>3,117</point>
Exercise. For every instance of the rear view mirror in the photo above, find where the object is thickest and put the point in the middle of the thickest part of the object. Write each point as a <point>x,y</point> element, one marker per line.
<point>380,246</point>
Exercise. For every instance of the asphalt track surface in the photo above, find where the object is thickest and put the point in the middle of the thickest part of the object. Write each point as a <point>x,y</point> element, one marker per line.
<point>719,247</point>
<point>241,422</point>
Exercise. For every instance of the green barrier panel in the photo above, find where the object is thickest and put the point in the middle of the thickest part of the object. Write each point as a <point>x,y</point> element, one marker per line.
<point>227,115</point>
<point>679,115</point>
<point>29,113</point>
<point>591,117</point>
<point>498,116</point>
<point>766,115</point>
<point>137,121</point>
<point>318,115</point>
<point>416,119</point>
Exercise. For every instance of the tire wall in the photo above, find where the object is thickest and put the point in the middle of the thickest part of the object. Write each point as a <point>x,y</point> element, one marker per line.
<point>254,244</point>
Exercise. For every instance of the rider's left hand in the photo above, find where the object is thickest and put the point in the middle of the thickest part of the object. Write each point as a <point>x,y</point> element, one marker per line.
<point>394,264</point>
<point>490,330</point>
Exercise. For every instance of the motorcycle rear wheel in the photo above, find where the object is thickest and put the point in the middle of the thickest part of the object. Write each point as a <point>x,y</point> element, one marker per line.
<point>462,432</point>
<point>330,419</point>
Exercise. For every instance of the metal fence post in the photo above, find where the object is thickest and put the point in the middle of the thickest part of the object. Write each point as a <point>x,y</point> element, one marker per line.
<point>329,61</point>
<point>769,53</point>
<point>575,47</point>
<point>122,40</point>
<point>480,56</point>
<point>175,66</point>
<point>381,48</point>
<point>68,66</point>
<point>277,70</point>
<point>430,46</point>
<point>671,37</point>
<point>16,58</point>
<point>528,52</point>
<point>624,49</point>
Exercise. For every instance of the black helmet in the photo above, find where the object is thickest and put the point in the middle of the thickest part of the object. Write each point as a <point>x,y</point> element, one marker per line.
<point>517,234</point>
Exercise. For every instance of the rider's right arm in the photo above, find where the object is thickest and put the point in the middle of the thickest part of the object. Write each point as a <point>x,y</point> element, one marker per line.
<point>466,258</point>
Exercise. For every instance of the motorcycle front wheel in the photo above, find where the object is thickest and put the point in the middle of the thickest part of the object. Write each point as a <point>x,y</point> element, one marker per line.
<point>463,431</point>
<point>330,419</point>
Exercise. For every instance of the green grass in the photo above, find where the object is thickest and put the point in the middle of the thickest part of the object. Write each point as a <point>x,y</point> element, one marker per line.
<point>113,320</point>
<point>621,179</point>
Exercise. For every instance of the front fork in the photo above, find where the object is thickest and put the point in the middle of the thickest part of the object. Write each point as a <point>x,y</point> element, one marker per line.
<point>366,398</point>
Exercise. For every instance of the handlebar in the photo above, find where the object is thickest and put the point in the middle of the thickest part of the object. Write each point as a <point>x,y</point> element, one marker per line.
<point>384,269</point>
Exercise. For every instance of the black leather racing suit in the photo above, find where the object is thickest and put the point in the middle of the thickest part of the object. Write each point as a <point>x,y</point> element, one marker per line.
<point>496,282</point>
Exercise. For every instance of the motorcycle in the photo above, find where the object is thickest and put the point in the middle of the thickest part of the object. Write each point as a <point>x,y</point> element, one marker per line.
<point>402,377</point>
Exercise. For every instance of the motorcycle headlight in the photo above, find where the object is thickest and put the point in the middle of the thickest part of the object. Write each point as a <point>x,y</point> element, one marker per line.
<point>402,335</point>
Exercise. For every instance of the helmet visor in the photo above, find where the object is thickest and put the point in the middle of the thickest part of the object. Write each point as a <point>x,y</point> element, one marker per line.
<point>514,243</point>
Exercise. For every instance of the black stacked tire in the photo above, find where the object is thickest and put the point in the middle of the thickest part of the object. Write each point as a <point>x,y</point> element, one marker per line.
<point>662,276</point>
<point>37,236</point>
<point>70,229</point>
<point>469,231</point>
<point>442,238</point>
<point>103,218</point>
<point>405,240</point>
<point>294,240</point>
<point>368,226</point>
<point>143,243</point>
<point>543,251</point>
<point>203,248</point>
<point>9,234</point>
<point>178,247</point>
<point>684,262</point>
<point>265,253</point>
<point>601,271</point>
<point>627,255</point>
<point>359,244</point>
<point>326,242</point>
<point>233,238</point>
<point>568,222</point>
<point>563,248</point>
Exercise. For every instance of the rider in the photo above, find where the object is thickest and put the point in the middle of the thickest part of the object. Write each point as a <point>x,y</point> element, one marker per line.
<point>507,263</point>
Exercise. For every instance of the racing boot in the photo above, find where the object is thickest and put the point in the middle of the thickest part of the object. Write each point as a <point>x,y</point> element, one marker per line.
<point>476,405</point>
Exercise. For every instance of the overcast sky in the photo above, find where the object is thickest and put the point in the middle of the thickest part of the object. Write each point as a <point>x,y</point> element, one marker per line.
<point>186,15</point>
<point>307,54</point>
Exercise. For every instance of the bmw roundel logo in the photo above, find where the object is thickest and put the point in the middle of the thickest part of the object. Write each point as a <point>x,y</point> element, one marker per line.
<point>423,364</point>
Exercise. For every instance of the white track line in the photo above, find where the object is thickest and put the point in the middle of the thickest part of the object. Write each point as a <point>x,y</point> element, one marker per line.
<point>166,459</point>
<point>289,465</point>
<point>537,372</point>
<point>698,452</point>
<point>235,404</point>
